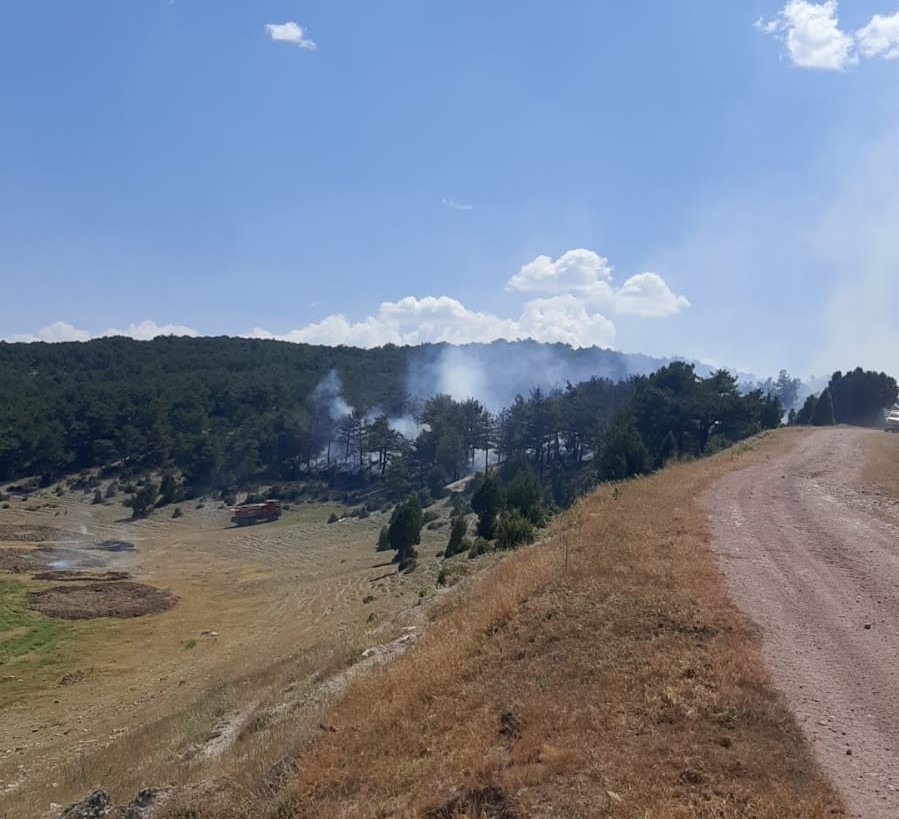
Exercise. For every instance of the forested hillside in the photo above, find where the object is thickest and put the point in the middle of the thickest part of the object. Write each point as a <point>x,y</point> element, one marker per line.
<point>227,413</point>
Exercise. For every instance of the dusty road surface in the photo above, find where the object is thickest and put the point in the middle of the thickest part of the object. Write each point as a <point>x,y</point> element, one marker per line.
<point>812,557</point>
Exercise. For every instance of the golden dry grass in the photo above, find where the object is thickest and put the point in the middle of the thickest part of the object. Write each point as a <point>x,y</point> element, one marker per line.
<point>882,463</point>
<point>604,672</point>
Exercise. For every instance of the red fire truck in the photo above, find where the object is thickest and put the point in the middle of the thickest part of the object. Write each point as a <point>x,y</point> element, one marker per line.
<point>251,513</point>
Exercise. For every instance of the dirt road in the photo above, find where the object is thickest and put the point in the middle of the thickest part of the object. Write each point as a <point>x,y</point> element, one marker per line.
<point>812,557</point>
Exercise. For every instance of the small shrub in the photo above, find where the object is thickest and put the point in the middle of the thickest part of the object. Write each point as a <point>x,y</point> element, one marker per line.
<point>112,489</point>
<point>363,513</point>
<point>430,517</point>
<point>177,513</point>
<point>478,548</point>
<point>425,498</point>
<point>189,644</point>
<point>514,530</point>
<point>98,497</point>
<point>332,518</point>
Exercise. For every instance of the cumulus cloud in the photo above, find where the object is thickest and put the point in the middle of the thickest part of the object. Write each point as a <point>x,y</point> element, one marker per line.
<point>576,269</point>
<point>648,295</point>
<point>61,331</point>
<point>570,291</point>
<point>880,38</point>
<point>588,276</point>
<point>290,32</point>
<point>814,39</point>
<point>569,295</point>
<point>812,34</point>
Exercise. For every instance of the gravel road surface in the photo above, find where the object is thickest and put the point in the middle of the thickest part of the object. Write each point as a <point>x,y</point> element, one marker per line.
<point>812,557</point>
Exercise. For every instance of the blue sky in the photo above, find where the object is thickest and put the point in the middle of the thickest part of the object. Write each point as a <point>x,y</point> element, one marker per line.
<point>715,180</point>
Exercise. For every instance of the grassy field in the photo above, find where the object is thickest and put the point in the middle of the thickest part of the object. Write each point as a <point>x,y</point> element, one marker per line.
<point>26,637</point>
<point>260,610</point>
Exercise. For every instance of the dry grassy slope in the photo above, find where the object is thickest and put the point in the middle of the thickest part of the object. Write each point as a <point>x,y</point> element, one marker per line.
<point>618,680</point>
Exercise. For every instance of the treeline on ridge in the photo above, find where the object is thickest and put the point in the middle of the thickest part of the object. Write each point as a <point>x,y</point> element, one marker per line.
<point>228,414</point>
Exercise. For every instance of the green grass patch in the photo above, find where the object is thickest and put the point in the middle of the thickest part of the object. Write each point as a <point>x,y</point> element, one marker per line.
<point>27,636</point>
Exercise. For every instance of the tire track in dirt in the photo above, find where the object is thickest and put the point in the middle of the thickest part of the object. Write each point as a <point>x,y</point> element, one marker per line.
<point>812,557</point>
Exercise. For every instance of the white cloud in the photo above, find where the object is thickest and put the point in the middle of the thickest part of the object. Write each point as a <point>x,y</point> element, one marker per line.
<point>61,331</point>
<point>56,332</point>
<point>812,34</point>
<point>290,32</point>
<point>880,38</point>
<point>451,203</point>
<point>588,276</point>
<point>148,330</point>
<point>814,39</point>
<point>571,317</point>
<point>648,295</point>
<point>444,319</point>
<point>576,269</point>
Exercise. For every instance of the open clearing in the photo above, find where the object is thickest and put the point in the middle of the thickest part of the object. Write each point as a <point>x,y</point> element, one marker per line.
<point>258,609</point>
<point>811,553</point>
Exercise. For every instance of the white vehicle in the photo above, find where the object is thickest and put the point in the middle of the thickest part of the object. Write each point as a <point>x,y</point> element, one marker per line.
<point>892,420</point>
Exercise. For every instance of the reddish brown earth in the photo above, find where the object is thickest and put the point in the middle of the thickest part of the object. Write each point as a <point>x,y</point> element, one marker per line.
<point>811,555</point>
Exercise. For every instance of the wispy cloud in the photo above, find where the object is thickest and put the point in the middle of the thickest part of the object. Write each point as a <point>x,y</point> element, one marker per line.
<point>813,38</point>
<point>290,32</point>
<point>454,205</point>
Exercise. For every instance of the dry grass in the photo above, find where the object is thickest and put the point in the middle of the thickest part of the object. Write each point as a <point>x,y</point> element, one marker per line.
<point>602,673</point>
<point>882,463</point>
<point>265,609</point>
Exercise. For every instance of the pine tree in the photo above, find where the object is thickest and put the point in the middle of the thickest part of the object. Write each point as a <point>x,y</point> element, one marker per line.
<point>823,414</point>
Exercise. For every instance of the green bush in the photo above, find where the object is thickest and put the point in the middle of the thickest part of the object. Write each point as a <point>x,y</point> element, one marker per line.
<point>333,518</point>
<point>478,548</point>
<point>457,541</point>
<point>514,530</point>
<point>177,513</point>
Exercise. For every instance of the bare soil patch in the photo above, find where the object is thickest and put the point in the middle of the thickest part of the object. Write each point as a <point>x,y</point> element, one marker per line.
<point>101,599</point>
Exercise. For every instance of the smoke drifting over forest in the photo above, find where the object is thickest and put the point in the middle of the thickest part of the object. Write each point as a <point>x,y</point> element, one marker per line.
<point>495,373</point>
